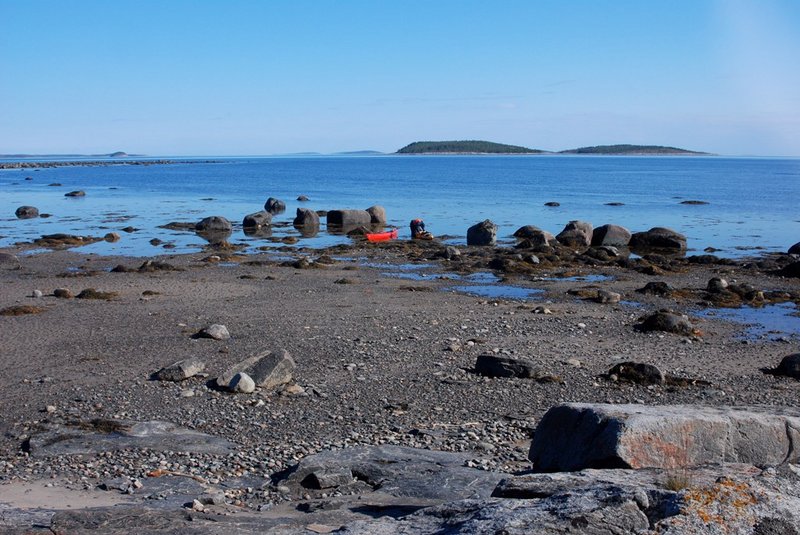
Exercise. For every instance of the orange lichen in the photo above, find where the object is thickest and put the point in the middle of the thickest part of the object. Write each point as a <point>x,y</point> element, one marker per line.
<point>721,503</point>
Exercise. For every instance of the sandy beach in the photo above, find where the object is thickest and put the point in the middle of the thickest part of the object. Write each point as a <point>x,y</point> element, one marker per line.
<point>379,359</point>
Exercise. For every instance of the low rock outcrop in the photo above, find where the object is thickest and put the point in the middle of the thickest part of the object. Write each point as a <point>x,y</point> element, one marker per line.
<point>575,436</point>
<point>658,239</point>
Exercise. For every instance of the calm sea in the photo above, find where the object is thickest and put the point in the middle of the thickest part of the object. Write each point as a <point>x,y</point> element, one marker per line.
<point>752,202</point>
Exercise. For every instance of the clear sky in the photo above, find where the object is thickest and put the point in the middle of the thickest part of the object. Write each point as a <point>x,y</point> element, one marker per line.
<point>238,77</point>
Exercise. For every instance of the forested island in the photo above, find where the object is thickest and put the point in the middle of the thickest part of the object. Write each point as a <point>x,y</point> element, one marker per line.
<point>488,147</point>
<point>632,150</point>
<point>464,147</point>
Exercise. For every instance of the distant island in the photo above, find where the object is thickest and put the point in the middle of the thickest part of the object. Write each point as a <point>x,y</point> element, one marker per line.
<point>464,147</point>
<point>488,147</point>
<point>632,150</point>
<point>118,154</point>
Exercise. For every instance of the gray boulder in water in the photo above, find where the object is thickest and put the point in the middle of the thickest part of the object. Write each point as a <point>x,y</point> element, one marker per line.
<point>377,215</point>
<point>349,218</point>
<point>275,206</point>
<point>257,220</point>
<point>27,212</point>
<point>483,233</point>
<point>214,223</point>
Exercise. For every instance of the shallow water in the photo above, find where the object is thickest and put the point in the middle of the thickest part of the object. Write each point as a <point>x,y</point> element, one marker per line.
<point>767,322</point>
<point>449,192</point>
<point>497,291</point>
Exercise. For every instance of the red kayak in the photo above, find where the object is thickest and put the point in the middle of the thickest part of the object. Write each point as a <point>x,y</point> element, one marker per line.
<point>383,236</point>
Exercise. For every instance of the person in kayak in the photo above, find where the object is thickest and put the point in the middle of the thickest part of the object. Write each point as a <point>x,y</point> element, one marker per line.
<point>418,231</point>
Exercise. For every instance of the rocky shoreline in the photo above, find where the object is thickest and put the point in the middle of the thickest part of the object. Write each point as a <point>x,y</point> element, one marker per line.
<point>402,380</point>
<point>92,163</point>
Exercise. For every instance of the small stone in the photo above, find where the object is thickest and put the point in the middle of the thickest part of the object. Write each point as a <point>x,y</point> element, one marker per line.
<point>62,293</point>
<point>50,409</point>
<point>215,332</point>
<point>242,383</point>
<point>294,390</point>
<point>197,506</point>
<point>112,237</point>
<point>605,296</point>
<point>37,294</point>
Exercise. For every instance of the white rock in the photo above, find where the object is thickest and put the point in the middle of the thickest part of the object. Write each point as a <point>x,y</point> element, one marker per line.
<point>242,383</point>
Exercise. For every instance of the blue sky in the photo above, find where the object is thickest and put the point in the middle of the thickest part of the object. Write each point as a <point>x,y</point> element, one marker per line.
<point>264,77</point>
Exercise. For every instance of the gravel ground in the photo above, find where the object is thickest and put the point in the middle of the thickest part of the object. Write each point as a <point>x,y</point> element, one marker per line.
<point>380,359</point>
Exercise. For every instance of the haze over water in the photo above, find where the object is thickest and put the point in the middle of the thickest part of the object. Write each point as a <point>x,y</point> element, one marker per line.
<point>751,201</point>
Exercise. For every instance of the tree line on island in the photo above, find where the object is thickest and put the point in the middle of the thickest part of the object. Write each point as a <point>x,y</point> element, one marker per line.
<point>488,147</point>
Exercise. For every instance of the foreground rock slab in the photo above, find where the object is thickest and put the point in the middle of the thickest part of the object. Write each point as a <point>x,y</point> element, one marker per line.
<point>395,470</point>
<point>575,436</point>
<point>98,436</point>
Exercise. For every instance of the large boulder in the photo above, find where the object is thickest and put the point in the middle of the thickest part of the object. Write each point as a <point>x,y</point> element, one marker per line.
<point>349,218</point>
<point>306,218</point>
<point>267,370</point>
<point>575,436</point>
<point>483,233</point>
<point>576,234</point>
<point>795,249</point>
<point>666,321</point>
<point>789,366</point>
<point>658,239</point>
<point>492,365</point>
<point>377,215</point>
<point>637,372</point>
<point>792,270</point>
<point>257,220</point>
<point>613,235</point>
<point>534,236</point>
<point>275,206</point>
<point>214,223</point>
<point>27,212</point>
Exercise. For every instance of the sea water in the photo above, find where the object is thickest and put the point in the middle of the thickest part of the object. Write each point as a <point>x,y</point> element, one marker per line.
<point>752,202</point>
